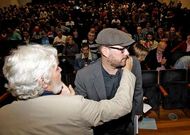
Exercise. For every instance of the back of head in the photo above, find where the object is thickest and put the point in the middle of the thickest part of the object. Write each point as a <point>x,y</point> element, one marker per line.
<point>25,66</point>
<point>139,51</point>
<point>162,44</point>
<point>84,45</point>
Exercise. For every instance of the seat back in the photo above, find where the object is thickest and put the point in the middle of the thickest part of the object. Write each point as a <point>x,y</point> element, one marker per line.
<point>149,77</point>
<point>175,83</point>
<point>172,76</point>
<point>150,87</point>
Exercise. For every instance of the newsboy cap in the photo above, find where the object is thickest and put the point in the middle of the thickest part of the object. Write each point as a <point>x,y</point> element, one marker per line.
<point>112,36</point>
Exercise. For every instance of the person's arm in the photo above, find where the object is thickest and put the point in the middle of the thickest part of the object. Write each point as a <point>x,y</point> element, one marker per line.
<point>95,113</point>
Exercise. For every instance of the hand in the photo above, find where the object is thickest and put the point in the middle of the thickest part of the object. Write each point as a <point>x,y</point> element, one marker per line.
<point>69,91</point>
<point>129,63</point>
<point>72,91</point>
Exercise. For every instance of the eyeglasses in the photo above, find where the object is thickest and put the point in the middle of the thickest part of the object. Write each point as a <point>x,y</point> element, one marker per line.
<point>120,49</point>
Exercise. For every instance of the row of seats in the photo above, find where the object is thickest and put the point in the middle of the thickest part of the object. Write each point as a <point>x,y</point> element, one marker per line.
<point>168,88</point>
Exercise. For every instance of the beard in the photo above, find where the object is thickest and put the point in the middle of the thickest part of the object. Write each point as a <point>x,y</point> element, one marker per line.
<point>57,87</point>
<point>118,64</point>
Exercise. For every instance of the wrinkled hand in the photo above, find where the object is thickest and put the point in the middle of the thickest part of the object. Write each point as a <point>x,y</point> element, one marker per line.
<point>129,64</point>
<point>69,91</point>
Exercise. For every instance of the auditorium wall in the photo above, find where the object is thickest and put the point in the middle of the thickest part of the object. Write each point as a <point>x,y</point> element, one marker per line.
<point>5,3</point>
<point>185,3</point>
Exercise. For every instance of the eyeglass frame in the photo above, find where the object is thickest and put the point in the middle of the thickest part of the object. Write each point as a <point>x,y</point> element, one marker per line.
<point>120,49</point>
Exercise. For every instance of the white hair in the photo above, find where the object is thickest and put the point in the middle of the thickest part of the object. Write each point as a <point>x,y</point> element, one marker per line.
<point>25,66</point>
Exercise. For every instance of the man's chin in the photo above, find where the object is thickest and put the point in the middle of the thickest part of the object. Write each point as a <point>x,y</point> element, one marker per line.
<point>121,66</point>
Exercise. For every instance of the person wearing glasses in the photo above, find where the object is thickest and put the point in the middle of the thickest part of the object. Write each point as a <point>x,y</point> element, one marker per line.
<point>100,79</point>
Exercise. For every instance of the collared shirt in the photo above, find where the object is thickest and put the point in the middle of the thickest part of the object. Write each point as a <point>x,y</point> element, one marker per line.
<point>111,82</point>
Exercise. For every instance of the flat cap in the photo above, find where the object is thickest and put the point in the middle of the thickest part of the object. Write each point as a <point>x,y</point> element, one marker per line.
<point>112,36</point>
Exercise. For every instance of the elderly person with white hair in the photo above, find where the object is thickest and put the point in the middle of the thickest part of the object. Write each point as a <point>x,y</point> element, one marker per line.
<point>33,70</point>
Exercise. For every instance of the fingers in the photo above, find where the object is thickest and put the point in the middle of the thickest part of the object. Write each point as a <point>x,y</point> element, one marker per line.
<point>68,91</point>
<point>72,91</point>
<point>65,90</point>
<point>129,64</point>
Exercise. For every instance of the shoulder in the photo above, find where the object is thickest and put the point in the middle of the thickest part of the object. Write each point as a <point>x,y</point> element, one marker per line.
<point>94,56</point>
<point>135,60</point>
<point>64,37</point>
<point>78,56</point>
<point>136,65</point>
<point>94,66</point>
<point>65,100</point>
<point>90,70</point>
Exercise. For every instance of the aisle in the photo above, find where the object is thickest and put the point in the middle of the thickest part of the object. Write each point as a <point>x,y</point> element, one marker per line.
<point>179,126</point>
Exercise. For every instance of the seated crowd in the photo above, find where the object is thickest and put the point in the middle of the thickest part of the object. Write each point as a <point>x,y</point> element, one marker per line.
<point>69,24</point>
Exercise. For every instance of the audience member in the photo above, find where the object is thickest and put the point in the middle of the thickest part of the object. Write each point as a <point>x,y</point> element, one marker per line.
<point>157,58</point>
<point>36,34</point>
<point>147,29</point>
<point>70,50</point>
<point>26,38</point>
<point>70,23</point>
<point>59,42</point>
<point>139,35</point>
<point>149,42</point>
<point>91,42</point>
<point>182,63</point>
<point>14,34</point>
<point>184,46</point>
<point>84,58</point>
<point>159,34</point>
<point>45,38</point>
<point>137,109</point>
<point>77,37</point>
<point>140,52</point>
<point>182,49</point>
<point>173,37</point>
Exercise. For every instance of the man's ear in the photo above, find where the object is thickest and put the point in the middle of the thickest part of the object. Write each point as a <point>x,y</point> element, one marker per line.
<point>43,84</point>
<point>105,51</point>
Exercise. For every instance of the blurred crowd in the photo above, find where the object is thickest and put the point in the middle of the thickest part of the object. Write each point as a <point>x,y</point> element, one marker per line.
<point>68,25</point>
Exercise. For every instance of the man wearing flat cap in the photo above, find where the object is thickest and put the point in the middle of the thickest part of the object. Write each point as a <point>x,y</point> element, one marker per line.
<point>100,79</point>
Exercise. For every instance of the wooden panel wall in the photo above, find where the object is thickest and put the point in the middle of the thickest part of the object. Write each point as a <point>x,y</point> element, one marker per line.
<point>5,3</point>
<point>185,3</point>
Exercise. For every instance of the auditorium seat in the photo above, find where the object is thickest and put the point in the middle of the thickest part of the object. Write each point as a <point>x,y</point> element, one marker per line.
<point>175,84</point>
<point>151,88</point>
